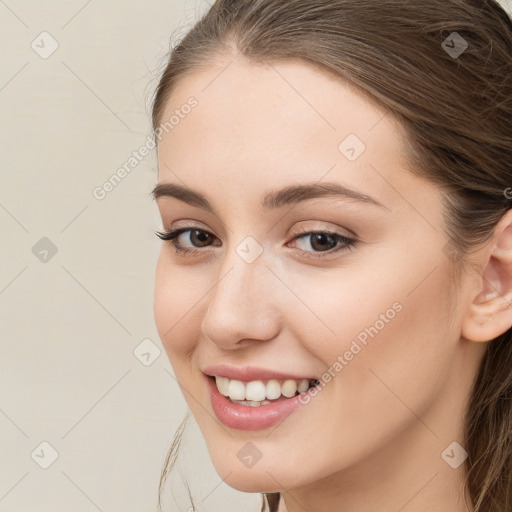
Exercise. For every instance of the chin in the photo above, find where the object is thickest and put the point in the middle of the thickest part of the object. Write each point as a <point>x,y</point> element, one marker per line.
<point>253,483</point>
<point>262,477</point>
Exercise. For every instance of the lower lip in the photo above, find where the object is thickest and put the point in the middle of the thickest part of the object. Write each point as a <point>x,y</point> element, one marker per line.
<point>250,418</point>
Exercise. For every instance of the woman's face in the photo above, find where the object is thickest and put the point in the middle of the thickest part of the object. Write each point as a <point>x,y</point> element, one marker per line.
<point>351,289</point>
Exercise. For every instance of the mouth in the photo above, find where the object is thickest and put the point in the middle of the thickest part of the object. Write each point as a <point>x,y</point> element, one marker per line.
<point>261,392</point>
<point>256,398</point>
<point>261,403</point>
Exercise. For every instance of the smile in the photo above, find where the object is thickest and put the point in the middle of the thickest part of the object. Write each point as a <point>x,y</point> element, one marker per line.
<point>252,398</point>
<point>256,393</point>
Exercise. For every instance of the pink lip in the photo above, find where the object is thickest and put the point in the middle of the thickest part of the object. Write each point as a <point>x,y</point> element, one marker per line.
<point>250,418</point>
<point>248,373</point>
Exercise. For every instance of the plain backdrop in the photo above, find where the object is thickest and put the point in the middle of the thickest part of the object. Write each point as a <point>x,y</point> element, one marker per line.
<point>76,272</point>
<point>88,400</point>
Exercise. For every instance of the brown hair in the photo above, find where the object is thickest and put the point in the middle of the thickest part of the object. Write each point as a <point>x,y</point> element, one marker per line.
<point>457,113</point>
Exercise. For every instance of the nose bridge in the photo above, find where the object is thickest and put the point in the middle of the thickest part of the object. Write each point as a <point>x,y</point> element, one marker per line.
<point>241,304</point>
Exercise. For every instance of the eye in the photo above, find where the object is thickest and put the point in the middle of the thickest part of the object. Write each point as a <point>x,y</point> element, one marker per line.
<point>319,241</point>
<point>197,236</point>
<point>322,242</point>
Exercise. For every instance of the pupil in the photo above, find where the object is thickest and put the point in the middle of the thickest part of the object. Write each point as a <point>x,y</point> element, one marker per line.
<point>321,237</point>
<point>201,235</point>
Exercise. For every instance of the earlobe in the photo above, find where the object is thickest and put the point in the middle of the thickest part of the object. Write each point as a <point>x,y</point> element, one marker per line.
<point>490,312</point>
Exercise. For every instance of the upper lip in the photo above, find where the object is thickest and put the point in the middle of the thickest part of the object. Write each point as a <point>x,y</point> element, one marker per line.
<point>248,373</point>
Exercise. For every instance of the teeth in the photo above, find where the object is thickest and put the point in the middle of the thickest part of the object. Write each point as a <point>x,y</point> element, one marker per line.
<point>251,403</point>
<point>256,392</point>
<point>236,390</point>
<point>222,385</point>
<point>303,385</point>
<point>289,388</point>
<point>273,389</point>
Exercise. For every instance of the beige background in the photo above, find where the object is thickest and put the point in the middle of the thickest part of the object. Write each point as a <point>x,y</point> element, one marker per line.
<point>71,322</point>
<point>69,325</point>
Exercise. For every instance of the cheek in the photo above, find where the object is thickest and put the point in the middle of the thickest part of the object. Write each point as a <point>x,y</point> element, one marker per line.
<point>177,307</point>
<point>402,364</point>
<point>390,321</point>
<point>395,343</point>
<point>388,302</point>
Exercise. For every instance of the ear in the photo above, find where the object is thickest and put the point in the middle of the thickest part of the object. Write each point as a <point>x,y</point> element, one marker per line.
<point>490,311</point>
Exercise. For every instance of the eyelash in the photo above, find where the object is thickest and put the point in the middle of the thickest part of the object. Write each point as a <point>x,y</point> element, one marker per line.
<point>173,234</point>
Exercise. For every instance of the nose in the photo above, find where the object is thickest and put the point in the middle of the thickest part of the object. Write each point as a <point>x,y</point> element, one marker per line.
<point>243,305</point>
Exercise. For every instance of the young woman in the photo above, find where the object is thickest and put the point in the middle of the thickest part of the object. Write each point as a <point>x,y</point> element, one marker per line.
<point>334,289</point>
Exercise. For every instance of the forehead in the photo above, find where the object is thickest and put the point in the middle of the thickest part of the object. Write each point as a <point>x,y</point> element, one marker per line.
<point>275,124</point>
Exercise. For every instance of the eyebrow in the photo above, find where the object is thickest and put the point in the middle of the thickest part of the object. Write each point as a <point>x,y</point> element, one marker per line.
<point>274,199</point>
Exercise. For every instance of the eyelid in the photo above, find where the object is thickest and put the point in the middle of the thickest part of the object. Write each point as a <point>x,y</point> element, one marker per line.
<point>348,243</point>
<point>175,232</point>
<point>307,231</point>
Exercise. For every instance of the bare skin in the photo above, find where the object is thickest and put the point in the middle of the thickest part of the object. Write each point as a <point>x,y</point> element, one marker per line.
<point>373,438</point>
